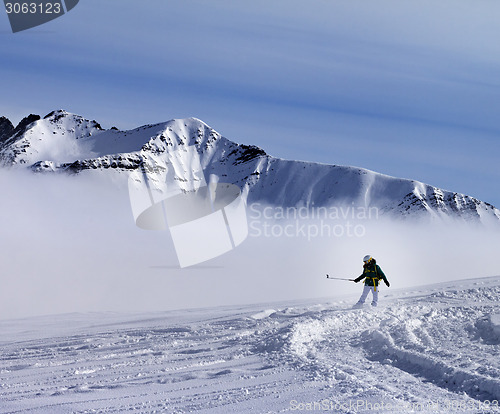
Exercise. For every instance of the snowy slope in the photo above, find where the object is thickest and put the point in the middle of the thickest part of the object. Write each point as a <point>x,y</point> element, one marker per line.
<point>67,142</point>
<point>59,137</point>
<point>428,349</point>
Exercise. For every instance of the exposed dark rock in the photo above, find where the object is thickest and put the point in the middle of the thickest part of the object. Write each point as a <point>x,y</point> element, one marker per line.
<point>247,153</point>
<point>57,115</point>
<point>6,129</point>
<point>23,125</point>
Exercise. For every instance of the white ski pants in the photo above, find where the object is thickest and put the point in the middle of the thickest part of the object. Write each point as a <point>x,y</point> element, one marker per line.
<point>367,290</point>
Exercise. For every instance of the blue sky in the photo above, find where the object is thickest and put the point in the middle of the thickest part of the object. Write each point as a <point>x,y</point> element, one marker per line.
<point>410,89</point>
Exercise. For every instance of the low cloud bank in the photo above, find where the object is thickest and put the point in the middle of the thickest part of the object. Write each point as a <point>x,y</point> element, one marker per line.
<point>69,244</point>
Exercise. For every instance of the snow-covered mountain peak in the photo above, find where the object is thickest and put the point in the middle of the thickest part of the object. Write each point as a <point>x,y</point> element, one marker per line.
<point>72,123</point>
<point>60,137</point>
<point>63,141</point>
<point>59,113</point>
<point>183,132</point>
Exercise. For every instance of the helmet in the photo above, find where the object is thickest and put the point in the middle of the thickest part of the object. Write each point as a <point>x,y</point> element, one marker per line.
<point>367,258</point>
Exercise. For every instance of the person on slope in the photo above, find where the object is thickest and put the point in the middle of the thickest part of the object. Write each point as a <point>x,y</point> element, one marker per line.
<point>372,273</point>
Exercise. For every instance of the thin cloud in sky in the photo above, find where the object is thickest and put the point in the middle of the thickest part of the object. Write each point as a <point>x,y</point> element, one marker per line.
<point>315,76</point>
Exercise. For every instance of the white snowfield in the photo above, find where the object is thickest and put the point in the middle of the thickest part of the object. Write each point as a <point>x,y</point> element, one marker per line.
<point>433,349</point>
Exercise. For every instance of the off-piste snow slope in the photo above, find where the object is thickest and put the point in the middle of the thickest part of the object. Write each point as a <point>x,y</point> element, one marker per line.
<point>432,349</point>
<point>67,142</point>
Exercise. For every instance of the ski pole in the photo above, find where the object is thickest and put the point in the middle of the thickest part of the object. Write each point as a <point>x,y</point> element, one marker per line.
<point>339,278</point>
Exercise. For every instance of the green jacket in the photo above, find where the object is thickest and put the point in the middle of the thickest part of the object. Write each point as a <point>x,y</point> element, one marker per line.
<point>373,273</point>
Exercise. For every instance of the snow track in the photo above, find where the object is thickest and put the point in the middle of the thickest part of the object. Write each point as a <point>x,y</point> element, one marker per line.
<point>431,350</point>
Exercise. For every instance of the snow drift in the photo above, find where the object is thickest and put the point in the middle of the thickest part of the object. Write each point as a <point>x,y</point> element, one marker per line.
<point>429,349</point>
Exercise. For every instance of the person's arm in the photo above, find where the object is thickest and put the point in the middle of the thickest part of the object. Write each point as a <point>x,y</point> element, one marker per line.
<point>381,273</point>
<point>359,278</point>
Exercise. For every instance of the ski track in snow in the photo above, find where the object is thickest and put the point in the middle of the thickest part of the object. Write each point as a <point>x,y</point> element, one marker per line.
<point>437,344</point>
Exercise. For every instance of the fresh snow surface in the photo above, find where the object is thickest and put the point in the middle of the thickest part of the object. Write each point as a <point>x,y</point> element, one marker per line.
<point>432,349</point>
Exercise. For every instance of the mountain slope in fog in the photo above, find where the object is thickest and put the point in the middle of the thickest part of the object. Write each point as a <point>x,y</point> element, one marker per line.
<point>67,142</point>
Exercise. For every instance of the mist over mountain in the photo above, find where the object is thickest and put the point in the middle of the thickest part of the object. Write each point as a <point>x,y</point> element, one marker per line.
<point>65,142</point>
